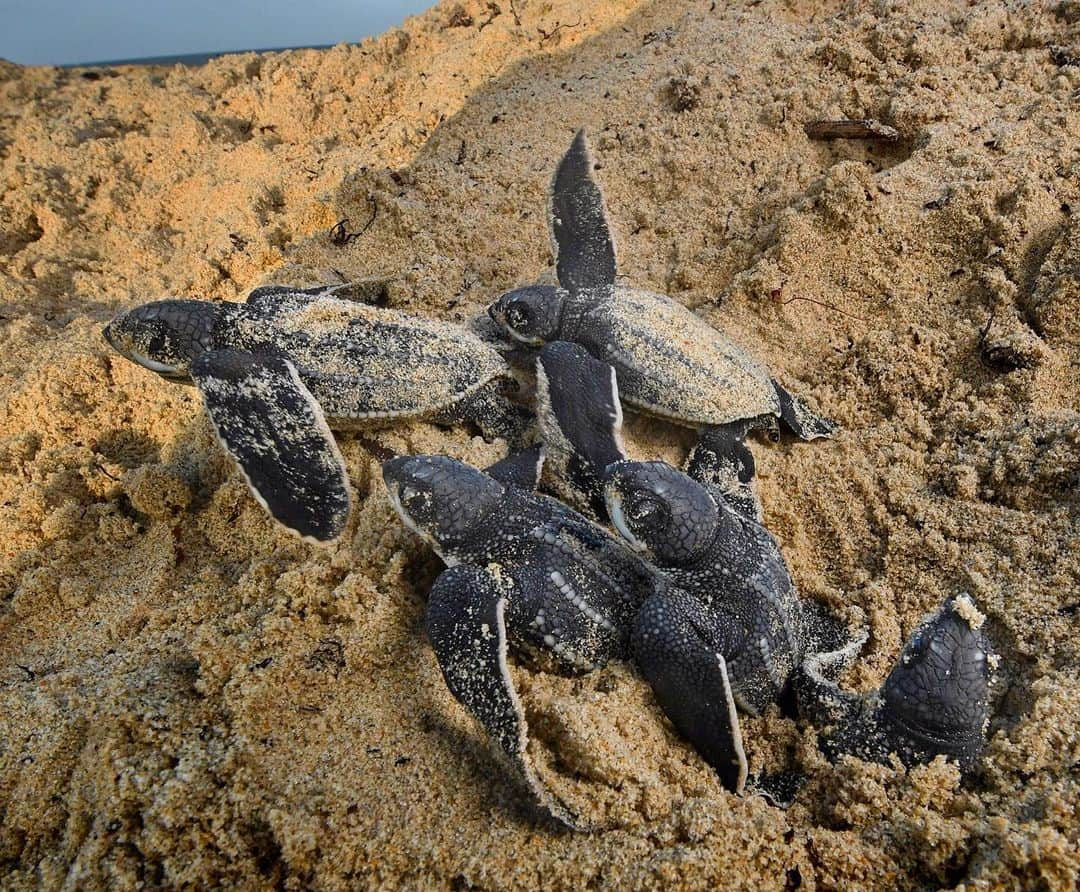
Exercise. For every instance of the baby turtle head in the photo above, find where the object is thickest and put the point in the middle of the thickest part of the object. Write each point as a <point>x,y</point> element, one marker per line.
<point>532,314</point>
<point>164,336</point>
<point>938,692</point>
<point>439,498</point>
<point>660,510</point>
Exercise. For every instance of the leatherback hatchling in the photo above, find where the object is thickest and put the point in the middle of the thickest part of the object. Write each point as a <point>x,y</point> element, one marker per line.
<point>277,372</point>
<point>935,701</point>
<point>669,361</point>
<point>731,629</point>
<point>524,570</point>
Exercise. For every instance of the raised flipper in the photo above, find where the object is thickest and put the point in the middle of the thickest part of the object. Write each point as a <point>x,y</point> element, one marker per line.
<point>682,660</point>
<point>721,459</point>
<point>467,628</point>
<point>581,235</point>
<point>521,469</point>
<point>580,422</point>
<point>937,697</point>
<point>275,430</point>
<point>936,700</point>
<point>798,418</point>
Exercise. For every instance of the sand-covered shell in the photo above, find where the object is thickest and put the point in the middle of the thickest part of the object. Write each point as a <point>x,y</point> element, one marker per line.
<point>672,363</point>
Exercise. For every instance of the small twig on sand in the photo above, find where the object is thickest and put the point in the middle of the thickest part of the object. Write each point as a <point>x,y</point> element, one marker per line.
<point>494,11</point>
<point>848,129</point>
<point>545,36</point>
<point>822,303</point>
<point>341,236</point>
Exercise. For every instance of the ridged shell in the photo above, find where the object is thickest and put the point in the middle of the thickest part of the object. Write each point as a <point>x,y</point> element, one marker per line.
<point>672,363</point>
<point>367,363</point>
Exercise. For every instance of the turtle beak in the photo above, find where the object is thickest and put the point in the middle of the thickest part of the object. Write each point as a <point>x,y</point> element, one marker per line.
<point>613,501</point>
<point>395,470</point>
<point>110,336</point>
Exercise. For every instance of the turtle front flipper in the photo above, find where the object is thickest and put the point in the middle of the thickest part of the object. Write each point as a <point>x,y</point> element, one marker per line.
<point>721,459</point>
<point>581,235</point>
<point>682,660</point>
<point>580,422</point>
<point>467,628</point>
<point>272,426</point>
<point>799,419</point>
<point>521,469</point>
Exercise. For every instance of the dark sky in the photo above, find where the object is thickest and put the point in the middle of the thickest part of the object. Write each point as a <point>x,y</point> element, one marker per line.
<point>58,32</point>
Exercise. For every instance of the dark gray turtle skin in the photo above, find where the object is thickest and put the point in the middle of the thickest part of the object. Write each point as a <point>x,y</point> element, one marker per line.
<point>732,597</point>
<point>279,371</point>
<point>580,421</point>
<point>730,630</point>
<point>669,362</point>
<point>524,571</point>
<point>935,701</point>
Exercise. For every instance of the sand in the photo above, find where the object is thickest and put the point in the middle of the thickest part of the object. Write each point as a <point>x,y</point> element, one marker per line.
<point>191,697</point>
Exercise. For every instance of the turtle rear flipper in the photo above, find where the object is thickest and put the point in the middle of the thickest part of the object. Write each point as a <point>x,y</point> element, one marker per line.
<point>581,235</point>
<point>799,419</point>
<point>819,697</point>
<point>721,460</point>
<point>275,430</point>
<point>467,628</point>
<point>495,416</point>
<point>689,676</point>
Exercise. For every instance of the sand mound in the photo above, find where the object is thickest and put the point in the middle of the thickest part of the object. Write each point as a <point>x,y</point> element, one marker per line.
<point>190,696</point>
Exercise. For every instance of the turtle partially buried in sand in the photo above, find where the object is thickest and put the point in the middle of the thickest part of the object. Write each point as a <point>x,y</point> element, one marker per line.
<point>699,596</point>
<point>669,362</point>
<point>277,372</point>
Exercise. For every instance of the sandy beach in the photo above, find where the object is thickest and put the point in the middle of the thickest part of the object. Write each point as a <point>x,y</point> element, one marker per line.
<point>191,697</point>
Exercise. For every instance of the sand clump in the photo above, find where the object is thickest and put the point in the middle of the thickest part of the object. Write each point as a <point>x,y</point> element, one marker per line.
<point>190,696</point>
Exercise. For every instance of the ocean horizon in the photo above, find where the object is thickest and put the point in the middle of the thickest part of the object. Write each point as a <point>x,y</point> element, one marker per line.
<point>190,59</point>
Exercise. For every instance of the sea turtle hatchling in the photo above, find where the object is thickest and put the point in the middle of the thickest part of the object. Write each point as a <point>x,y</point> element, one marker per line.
<point>935,701</point>
<point>732,620</point>
<point>670,363</point>
<point>277,372</point>
<point>524,570</point>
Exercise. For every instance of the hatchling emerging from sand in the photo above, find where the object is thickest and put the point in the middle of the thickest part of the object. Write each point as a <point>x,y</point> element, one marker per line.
<point>670,363</point>
<point>277,372</point>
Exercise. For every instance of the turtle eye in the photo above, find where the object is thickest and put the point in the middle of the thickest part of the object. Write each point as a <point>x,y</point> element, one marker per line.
<point>409,496</point>
<point>158,342</point>
<point>646,511</point>
<point>518,317</point>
